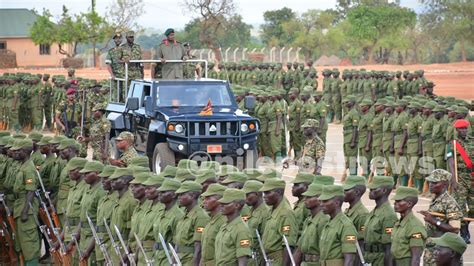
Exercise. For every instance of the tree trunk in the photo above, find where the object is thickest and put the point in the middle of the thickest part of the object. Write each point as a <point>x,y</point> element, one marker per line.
<point>370,51</point>
<point>463,50</point>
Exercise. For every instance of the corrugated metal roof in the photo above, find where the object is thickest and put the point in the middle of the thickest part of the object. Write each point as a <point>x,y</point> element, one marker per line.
<point>16,22</point>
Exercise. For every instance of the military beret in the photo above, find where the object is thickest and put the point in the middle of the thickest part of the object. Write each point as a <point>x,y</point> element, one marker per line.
<point>237,177</point>
<point>313,190</point>
<point>430,105</point>
<point>310,123</point>
<point>4,133</point>
<point>187,186</point>
<point>76,162</point>
<point>452,108</point>
<point>451,241</point>
<point>273,183</point>
<point>140,178</point>
<point>46,76</point>
<point>331,191</point>
<point>294,90</point>
<point>92,166</point>
<point>45,140</point>
<point>169,185</point>
<point>414,104</point>
<point>125,135</point>
<point>108,170</point>
<point>203,175</point>
<point>252,186</point>
<point>214,189</point>
<point>324,180</point>
<point>461,123</point>
<point>154,180</point>
<point>252,173</point>
<point>169,171</point>
<point>381,181</point>
<point>439,175</point>
<point>232,194</point>
<point>303,178</point>
<point>402,102</point>
<point>119,172</point>
<point>22,144</point>
<point>35,136</point>
<point>225,169</point>
<point>169,31</point>
<point>66,143</point>
<point>349,98</point>
<point>143,161</point>
<point>352,181</point>
<point>403,192</point>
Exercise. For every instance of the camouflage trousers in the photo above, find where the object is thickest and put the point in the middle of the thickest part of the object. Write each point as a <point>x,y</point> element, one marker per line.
<point>464,195</point>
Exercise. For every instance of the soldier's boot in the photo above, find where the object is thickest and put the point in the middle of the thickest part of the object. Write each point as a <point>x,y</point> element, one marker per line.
<point>419,185</point>
<point>404,180</point>
<point>465,232</point>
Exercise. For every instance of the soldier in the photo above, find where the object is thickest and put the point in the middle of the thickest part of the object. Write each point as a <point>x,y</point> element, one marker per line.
<point>125,204</point>
<point>132,51</point>
<point>36,103</point>
<point>69,115</point>
<point>191,70</point>
<point>27,240</point>
<point>171,49</point>
<point>336,96</point>
<point>449,249</point>
<point>379,223</point>
<point>89,206</point>
<point>274,113</point>
<point>233,241</point>
<point>365,139</point>
<point>409,234</point>
<point>448,218</point>
<point>125,142</point>
<point>167,220</point>
<point>294,124</point>
<point>188,238</point>
<point>387,136</point>
<point>350,123</point>
<point>211,204</point>
<point>13,103</point>
<point>71,73</point>
<point>327,93</point>
<point>114,55</point>
<point>337,243</point>
<point>37,157</point>
<point>320,113</point>
<point>439,137</point>
<point>300,185</point>
<point>314,149</point>
<point>354,189</point>
<point>99,134</point>
<point>375,133</point>
<point>414,141</point>
<point>462,174</point>
<point>47,101</point>
<point>281,222</point>
<point>399,130</point>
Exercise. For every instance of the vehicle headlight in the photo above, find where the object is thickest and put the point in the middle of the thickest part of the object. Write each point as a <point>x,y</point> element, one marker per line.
<point>244,128</point>
<point>179,128</point>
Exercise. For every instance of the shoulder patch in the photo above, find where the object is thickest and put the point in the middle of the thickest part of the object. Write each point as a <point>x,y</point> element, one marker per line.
<point>417,236</point>
<point>200,229</point>
<point>389,230</point>
<point>452,214</point>
<point>351,238</point>
<point>285,229</point>
<point>362,228</point>
<point>29,181</point>
<point>245,243</point>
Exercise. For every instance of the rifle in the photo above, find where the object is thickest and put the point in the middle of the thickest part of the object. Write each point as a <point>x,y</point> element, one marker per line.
<point>114,244</point>
<point>262,248</point>
<point>84,103</point>
<point>139,243</point>
<point>175,255</point>
<point>67,260</point>
<point>11,223</point>
<point>66,125</point>
<point>124,246</point>
<point>82,262</point>
<point>98,241</point>
<point>288,249</point>
<point>359,252</point>
<point>54,213</point>
<point>442,215</point>
<point>165,248</point>
<point>9,244</point>
<point>44,230</point>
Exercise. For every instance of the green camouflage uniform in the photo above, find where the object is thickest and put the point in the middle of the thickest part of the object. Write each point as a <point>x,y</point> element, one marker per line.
<point>99,133</point>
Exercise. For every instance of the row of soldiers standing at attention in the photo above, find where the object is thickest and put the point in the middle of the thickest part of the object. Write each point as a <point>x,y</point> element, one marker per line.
<point>209,214</point>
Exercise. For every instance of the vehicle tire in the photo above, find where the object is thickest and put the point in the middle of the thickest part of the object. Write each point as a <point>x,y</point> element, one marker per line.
<point>250,158</point>
<point>114,152</point>
<point>162,156</point>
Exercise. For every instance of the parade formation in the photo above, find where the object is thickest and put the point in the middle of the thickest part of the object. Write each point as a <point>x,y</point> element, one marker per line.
<point>66,201</point>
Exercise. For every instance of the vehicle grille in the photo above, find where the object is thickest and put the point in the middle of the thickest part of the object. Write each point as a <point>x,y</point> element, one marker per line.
<point>222,129</point>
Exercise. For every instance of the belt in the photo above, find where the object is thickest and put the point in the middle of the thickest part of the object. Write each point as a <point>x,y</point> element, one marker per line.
<point>148,244</point>
<point>334,262</point>
<point>310,258</point>
<point>374,248</point>
<point>185,249</point>
<point>73,221</point>
<point>157,246</point>
<point>101,229</point>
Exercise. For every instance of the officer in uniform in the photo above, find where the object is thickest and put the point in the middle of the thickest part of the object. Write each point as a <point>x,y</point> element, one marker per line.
<point>375,133</point>
<point>439,137</point>
<point>300,185</point>
<point>47,101</point>
<point>350,124</point>
<point>132,51</point>
<point>274,113</point>
<point>320,114</point>
<point>69,115</point>
<point>314,149</point>
<point>365,139</point>
<point>171,49</point>
<point>409,234</point>
<point>125,142</point>
<point>99,134</point>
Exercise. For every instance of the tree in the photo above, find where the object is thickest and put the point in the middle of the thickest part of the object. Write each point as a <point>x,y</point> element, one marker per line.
<point>344,6</point>
<point>371,24</point>
<point>272,30</point>
<point>122,15</point>
<point>213,15</point>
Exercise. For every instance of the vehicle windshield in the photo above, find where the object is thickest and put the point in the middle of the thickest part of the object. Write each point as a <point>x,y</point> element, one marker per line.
<point>193,95</point>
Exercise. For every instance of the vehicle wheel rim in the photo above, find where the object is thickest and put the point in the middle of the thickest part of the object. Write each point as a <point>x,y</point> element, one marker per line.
<point>157,164</point>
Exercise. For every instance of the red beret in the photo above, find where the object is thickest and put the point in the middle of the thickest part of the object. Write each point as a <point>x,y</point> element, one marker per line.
<point>74,81</point>
<point>461,123</point>
<point>70,91</point>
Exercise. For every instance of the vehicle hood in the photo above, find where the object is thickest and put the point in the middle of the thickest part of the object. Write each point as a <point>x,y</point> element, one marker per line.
<point>192,113</point>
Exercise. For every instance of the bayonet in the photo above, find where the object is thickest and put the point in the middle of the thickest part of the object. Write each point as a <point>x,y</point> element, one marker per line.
<point>288,249</point>
<point>165,248</point>
<point>124,246</point>
<point>98,241</point>
<point>114,244</point>
<point>139,243</point>
<point>262,248</point>
<point>175,255</point>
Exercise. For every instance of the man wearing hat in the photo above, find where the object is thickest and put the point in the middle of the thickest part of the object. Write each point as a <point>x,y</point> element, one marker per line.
<point>409,234</point>
<point>327,80</point>
<point>188,238</point>
<point>93,194</point>
<point>259,212</point>
<point>47,97</point>
<point>399,131</point>
<point>350,124</point>
<point>426,134</point>
<point>449,249</point>
<point>114,61</point>
<point>413,146</point>
<point>211,204</point>
<point>124,206</point>
<point>375,132</point>
<point>462,150</point>
<point>13,103</point>
<point>379,223</point>
<point>439,137</point>
<point>442,203</point>
<point>307,252</point>
<point>36,156</point>
<point>300,185</point>
<point>124,143</point>
<point>282,221</point>
<point>27,240</point>
<point>233,241</point>
<point>337,243</point>
<point>314,148</point>
<point>336,96</point>
<point>387,136</point>
<point>170,49</point>
<point>99,134</point>
<point>306,112</point>
<point>68,115</point>
<point>365,139</point>
<point>132,51</point>
<point>320,114</point>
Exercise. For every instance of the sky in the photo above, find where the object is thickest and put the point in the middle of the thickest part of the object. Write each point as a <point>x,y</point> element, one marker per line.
<point>162,14</point>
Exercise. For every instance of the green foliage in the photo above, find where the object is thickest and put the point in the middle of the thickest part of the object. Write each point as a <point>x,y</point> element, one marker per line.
<point>273,32</point>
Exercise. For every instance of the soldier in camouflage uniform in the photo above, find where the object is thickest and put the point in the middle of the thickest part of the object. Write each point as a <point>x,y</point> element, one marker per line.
<point>132,51</point>
<point>444,204</point>
<point>99,134</point>
<point>399,130</point>
<point>275,124</point>
<point>125,142</point>
<point>47,101</point>
<point>314,148</point>
<point>69,115</point>
<point>319,113</point>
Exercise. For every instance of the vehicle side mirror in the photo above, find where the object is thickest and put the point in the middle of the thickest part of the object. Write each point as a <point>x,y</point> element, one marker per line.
<point>249,102</point>
<point>132,103</point>
<point>149,106</point>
